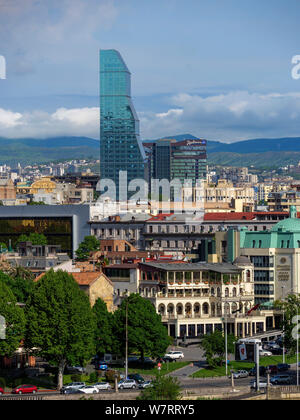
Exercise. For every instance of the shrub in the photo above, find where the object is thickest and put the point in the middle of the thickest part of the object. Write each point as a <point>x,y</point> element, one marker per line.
<point>2,383</point>
<point>76,378</point>
<point>93,377</point>
<point>110,376</point>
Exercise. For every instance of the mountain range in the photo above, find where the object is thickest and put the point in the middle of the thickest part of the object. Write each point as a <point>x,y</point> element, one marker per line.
<point>261,153</point>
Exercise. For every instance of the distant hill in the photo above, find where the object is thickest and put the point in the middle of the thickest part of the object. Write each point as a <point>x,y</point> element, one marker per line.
<point>29,151</point>
<point>258,152</point>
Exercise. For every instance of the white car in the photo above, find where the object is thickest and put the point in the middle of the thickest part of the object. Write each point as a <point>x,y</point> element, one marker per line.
<point>89,389</point>
<point>127,384</point>
<point>265,353</point>
<point>72,385</point>
<point>262,384</point>
<point>102,385</point>
<point>240,374</point>
<point>175,354</point>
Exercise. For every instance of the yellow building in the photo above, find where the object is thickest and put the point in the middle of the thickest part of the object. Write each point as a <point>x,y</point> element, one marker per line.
<point>45,184</point>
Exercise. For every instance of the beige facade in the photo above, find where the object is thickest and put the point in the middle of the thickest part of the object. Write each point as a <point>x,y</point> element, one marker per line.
<point>204,298</point>
<point>96,285</point>
<point>7,189</point>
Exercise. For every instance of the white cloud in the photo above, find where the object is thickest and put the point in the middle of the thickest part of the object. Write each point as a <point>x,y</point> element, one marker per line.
<point>234,116</point>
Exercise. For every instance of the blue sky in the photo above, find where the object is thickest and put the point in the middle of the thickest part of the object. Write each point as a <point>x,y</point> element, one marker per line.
<point>218,69</point>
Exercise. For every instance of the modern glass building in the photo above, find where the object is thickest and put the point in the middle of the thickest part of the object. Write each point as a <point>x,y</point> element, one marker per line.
<point>120,145</point>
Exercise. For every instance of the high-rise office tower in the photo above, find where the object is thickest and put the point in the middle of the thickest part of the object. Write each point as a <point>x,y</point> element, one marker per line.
<point>183,160</point>
<point>120,145</point>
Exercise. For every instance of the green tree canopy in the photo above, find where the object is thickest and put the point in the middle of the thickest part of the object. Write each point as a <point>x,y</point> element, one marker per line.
<point>90,243</point>
<point>146,333</point>
<point>104,323</point>
<point>291,307</point>
<point>21,285</point>
<point>214,347</point>
<point>34,237</point>
<point>14,319</point>
<point>61,323</point>
<point>164,387</point>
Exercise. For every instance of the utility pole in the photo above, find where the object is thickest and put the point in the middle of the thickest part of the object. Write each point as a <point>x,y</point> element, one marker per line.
<point>126,339</point>
<point>226,341</point>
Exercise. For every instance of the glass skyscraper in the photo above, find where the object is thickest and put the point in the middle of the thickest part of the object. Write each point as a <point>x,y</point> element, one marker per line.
<point>120,145</point>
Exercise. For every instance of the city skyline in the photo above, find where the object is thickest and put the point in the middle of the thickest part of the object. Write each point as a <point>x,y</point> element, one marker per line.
<point>219,71</point>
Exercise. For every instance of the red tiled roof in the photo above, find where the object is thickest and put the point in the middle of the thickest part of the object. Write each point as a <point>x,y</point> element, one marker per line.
<point>230,216</point>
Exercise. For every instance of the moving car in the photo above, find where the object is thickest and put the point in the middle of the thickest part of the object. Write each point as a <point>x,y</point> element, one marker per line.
<point>71,391</point>
<point>127,384</point>
<point>102,385</point>
<point>145,384</point>
<point>262,384</point>
<point>89,389</point>
<point>72,385</point>
<point>25,389</point>
<point>281,379</point>
<point>240,374</point>
<point>175,354</point>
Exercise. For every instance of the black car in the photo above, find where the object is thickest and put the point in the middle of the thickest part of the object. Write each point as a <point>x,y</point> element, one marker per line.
<point>283,367</point>
<point>262,371</point>
<point>137,377</point>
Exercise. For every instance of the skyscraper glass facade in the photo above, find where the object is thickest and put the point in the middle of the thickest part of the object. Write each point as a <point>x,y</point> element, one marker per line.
<point>120,145</point>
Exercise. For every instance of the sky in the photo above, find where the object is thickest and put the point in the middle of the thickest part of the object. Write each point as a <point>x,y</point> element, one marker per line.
<point>217,69</point>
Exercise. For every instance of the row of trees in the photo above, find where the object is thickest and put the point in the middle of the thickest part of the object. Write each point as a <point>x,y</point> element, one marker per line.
<point>61,326</point>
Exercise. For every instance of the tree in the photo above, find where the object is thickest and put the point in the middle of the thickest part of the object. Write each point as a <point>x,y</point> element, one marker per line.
<point>146,333</point>
<point>61,324</point>
<point>214,347</point>
<point>34,237</point>
<point>104,322</point>
<point>163,388</point>
<point>20,283</point>
<point>14,320</point>
<point>291,307</point>
<point>89,244</point>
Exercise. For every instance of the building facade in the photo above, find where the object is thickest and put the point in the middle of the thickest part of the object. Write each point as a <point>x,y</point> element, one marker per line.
<point>196,299</point>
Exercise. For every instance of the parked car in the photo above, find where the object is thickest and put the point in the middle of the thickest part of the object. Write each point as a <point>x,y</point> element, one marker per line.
<point>265,353</point>
<point>72,385</point>
<point>127,384</point>
<point>1,391</point>
<point>175,354</point>
<point>101,365</point>
<point>240,374</point>
<point>282,367</point>
<point>272,369</point>
<point>262,384</point>
<point>102,385</point>
<point>281,379</point>
<point>262,371</point>
<point>279,351</point>
<point>89,389</point>
<point>137,377</point>
<point>145,384</point>
<point>76,369</point>
<point>25,389</point>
